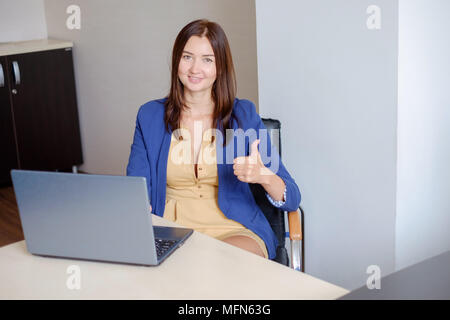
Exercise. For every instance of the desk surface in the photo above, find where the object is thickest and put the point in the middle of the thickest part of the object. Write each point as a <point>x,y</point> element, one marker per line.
<point>203,268</point>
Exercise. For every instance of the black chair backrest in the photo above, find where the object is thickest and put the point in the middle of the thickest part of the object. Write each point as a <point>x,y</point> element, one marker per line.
<point>274,215</point>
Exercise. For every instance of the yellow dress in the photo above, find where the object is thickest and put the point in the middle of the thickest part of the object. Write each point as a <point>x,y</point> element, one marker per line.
<point>192,201</point>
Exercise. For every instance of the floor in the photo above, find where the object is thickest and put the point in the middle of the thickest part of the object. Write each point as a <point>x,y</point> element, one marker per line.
<point>10,226</point>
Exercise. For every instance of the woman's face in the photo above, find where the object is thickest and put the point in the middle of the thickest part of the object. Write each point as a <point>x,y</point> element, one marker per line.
<point>197,68</point>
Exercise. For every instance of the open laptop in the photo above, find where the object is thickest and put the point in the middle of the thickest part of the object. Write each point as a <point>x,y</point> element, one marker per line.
<point>91,217</point>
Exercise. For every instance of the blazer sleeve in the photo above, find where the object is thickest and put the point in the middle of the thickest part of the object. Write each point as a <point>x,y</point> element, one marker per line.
<point>138,163</point>
<point>271,159</point>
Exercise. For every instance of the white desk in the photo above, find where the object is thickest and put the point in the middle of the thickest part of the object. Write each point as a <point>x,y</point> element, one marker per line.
<point>203,268</point>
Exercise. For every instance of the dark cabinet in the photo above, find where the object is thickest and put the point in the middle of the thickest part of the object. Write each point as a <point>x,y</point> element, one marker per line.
<point>39,116</point>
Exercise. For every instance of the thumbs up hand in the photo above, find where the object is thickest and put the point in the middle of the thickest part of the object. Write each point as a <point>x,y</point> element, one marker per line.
<point>250,169</point>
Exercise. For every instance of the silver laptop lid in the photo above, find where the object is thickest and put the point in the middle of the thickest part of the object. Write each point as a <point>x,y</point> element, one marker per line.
<point>95,217</point>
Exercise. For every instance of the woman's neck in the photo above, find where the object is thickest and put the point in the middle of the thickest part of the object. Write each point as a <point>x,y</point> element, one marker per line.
<point>199,103</point>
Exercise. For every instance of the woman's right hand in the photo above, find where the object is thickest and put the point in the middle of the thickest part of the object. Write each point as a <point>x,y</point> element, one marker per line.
<point>150,208</point>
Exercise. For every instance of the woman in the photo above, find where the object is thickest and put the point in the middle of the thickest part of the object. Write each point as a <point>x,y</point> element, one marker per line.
<point>195,176</point>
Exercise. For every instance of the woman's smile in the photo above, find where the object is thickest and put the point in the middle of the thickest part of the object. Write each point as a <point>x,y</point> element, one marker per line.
<point>194,79</point>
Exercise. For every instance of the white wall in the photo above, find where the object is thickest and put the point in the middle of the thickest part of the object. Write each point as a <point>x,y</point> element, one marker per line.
<point>22,20</point>
<point>122,60</point>
<point>423,198</point>
<point>333,85</point>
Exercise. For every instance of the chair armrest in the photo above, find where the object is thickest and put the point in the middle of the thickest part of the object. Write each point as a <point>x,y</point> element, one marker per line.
<point>295,226</point>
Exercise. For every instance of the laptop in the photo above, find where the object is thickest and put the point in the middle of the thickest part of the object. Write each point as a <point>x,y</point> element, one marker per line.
<point>91,217</point>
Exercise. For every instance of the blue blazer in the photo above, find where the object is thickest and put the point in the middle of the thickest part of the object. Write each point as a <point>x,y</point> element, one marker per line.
<point>150,151</point>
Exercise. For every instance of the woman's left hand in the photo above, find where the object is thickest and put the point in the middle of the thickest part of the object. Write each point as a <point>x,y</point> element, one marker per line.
<point>250,169</point>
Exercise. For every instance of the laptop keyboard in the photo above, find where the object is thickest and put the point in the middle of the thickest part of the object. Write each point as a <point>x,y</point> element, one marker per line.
<point>163,245</point>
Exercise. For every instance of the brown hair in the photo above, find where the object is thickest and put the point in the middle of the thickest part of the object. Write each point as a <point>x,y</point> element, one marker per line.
<point>224,88</point>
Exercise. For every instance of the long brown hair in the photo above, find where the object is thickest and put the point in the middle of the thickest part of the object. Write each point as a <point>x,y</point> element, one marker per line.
<point>224,88</point>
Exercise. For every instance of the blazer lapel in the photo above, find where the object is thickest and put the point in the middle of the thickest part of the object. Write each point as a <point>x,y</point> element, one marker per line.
<point>162,172</point>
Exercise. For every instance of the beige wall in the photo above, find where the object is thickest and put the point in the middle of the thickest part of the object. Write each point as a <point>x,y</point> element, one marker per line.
<point>22,20</point>
<point>122,59</point>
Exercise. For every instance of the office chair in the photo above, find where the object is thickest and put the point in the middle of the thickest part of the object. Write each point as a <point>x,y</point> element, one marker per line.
<point>275,216</point>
